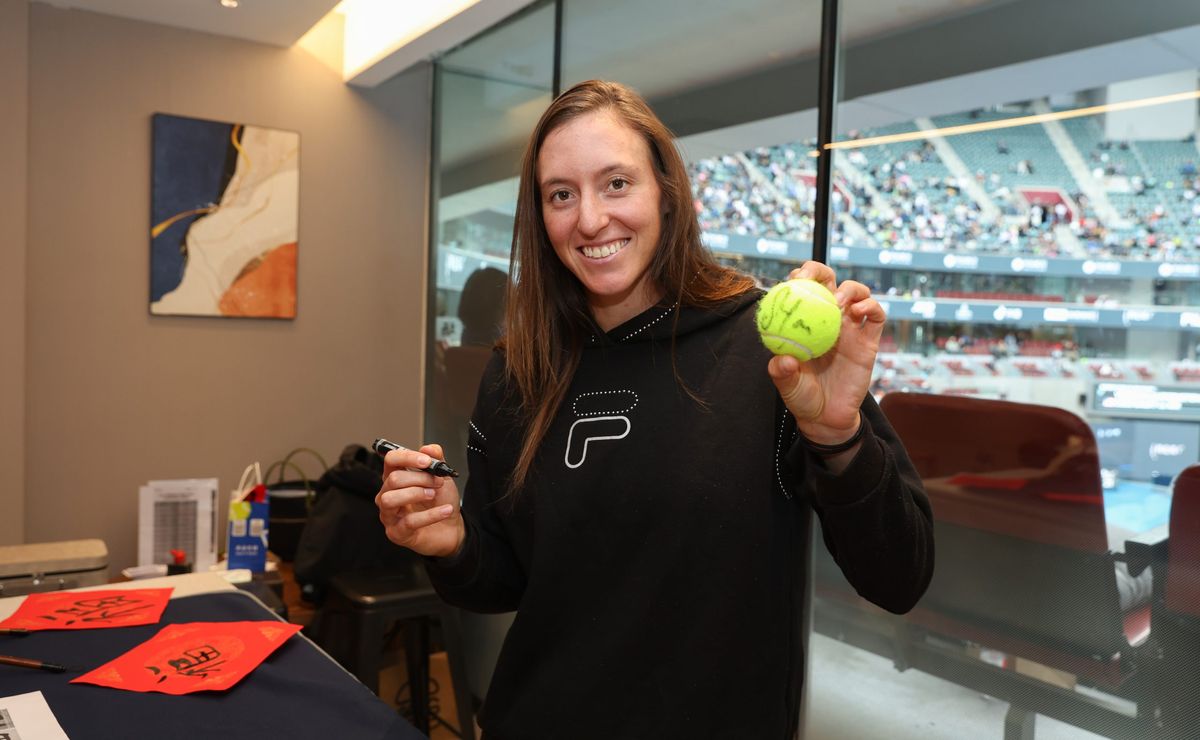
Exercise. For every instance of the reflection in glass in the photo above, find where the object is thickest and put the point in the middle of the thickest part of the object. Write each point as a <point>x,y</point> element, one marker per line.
<point>490,93</point>
<point>702,66</point>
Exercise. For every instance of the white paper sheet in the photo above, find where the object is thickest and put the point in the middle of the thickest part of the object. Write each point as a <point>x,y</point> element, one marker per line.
<point>178,514</point>
<point>28,717</point>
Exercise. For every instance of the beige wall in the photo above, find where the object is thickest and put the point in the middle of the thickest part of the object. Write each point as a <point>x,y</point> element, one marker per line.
<point>14,74</point>
<point>117,397</point>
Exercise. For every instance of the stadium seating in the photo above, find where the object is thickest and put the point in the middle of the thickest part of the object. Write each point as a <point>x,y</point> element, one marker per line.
<point>980,152</point>
<point>1185,372</point>
<point>919,204</point>
<point>1035,359</point>
<point>1164,163</point>
<point>1105,371</point>
<point>1143,370</point>
<point>1030,369</point>
<point>983,295</point>
<point>729,200</point>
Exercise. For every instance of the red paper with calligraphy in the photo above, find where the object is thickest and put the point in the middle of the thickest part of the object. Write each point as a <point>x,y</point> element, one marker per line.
<point>197,656</point>
<point>86,610</point>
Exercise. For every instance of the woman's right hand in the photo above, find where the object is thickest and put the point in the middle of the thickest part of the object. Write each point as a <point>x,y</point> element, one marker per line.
<point>420,510</point>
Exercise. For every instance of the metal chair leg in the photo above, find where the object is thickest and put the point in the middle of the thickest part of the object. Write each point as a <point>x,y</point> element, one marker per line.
<point>416,657</point>
<point>455,651</point>
<point>1019,723</point>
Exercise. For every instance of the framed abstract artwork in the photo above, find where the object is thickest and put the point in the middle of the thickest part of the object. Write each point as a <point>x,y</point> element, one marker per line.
<point>224,214</point>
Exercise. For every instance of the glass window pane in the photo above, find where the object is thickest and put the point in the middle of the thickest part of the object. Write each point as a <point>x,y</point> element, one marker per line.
<point>702,65</point>
<point>1020,188</point>
<point>737,83</point>
<point>490,93</point>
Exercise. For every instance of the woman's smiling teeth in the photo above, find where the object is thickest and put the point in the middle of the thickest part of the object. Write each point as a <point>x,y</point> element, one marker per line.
<point>604,250</point>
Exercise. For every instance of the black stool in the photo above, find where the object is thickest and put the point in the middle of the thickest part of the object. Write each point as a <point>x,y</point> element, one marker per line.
<point>267,588</point>
<point>374,601</point>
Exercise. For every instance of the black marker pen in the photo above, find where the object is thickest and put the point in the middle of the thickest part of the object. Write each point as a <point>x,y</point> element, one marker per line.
<point>438,468</point>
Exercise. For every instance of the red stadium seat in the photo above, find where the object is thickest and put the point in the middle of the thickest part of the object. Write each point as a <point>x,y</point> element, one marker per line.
<point>1028,471</point>
<point>1186,373</point>
<point>1030,369</point>
<point>1105,371</point>
<point>464,368</point>
<point>1177,613</point>
<point>1144,372</point>
<point>957,367</point>
<point>1023,562</point>
<point>1182,593</point>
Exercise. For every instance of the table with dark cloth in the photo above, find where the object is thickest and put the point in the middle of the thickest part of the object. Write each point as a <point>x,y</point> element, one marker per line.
<point>297,692</point>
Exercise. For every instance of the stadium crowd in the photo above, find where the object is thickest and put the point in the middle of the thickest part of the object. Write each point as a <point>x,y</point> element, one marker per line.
<point>903,196</point>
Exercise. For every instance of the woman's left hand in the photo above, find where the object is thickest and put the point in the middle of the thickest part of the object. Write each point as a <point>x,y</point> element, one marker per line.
<point>824,395</point>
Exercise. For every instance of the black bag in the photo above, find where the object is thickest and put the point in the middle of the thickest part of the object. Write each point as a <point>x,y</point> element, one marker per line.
<point>343,532</point>
<point>289,501</point>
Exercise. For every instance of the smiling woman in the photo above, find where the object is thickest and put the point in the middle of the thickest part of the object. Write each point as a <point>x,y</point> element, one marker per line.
<point>644,572</point>
<point>602,209</point>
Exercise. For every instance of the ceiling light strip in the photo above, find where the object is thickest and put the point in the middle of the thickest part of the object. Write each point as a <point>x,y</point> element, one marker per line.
<point>971,128</point>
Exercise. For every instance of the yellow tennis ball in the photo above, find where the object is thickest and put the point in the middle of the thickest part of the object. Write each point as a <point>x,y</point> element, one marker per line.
<point>800,318</point>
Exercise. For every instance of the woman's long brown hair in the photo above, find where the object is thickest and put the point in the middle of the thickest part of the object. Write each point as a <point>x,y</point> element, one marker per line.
<point>548,318</point>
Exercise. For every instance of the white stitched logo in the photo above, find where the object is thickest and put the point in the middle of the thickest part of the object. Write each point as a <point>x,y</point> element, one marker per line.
<point>606,421</point>
<point>598,428</point>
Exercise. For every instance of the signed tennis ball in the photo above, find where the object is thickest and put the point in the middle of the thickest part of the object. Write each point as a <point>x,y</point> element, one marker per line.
<point>800,318</point>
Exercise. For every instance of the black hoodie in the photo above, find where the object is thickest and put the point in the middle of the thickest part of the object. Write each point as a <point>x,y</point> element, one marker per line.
<point>657,556</point>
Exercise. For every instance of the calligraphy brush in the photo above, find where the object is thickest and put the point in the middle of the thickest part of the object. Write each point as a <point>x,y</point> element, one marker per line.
<point>31,663</point>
